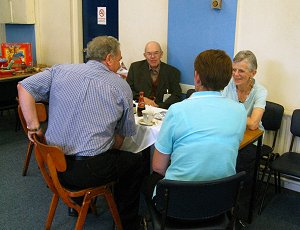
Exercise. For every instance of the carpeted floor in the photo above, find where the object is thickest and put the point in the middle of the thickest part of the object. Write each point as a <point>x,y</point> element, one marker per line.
<point>24,201</point>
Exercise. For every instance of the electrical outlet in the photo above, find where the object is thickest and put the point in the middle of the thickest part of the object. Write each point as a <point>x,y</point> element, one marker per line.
<point>216,4</point>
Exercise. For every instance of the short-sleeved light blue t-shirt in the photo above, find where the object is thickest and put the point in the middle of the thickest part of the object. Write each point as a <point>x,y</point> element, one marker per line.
<point>202,134</point>
<point>256,99</point>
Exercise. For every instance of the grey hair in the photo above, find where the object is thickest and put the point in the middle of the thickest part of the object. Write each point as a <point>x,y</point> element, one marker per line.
<point>248,56</point>
<point>101,46</point>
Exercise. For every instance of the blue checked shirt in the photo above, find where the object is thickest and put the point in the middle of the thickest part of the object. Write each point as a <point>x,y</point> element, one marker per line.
<point>88,104</point>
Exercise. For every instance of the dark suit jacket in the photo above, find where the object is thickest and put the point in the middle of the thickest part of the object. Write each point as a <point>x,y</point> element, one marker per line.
<point>139,79</point>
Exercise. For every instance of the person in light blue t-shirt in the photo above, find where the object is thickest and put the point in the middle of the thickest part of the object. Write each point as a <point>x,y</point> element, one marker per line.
<point>200,136</point>
<point>243,88</point>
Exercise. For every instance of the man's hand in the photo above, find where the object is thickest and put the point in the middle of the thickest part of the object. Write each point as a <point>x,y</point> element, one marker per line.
<point>30,134</point>
<point>150,102</point>
<point>118,141</point>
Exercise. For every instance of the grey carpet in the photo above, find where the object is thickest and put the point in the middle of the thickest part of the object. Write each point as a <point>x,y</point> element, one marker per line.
<point>24,201</point>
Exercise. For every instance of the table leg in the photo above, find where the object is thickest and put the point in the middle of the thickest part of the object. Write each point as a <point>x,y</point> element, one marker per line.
<point>253,195</point>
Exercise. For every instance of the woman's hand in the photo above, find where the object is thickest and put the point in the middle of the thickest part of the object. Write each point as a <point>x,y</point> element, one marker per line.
<point>255,118</point>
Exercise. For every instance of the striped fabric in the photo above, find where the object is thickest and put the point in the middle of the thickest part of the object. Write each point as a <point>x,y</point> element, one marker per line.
<point>88,104</point>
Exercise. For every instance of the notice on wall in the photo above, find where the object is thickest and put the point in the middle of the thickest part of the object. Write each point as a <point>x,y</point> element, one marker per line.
<point>101,11</point>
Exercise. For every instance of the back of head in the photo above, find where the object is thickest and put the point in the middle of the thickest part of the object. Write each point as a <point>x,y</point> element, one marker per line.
<point>101,46</point>
<point>214,68</point>
<point>248,56</point>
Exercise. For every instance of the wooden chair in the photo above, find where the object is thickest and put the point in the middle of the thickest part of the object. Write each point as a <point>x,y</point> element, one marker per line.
<point>51,160</point>
<point>189,92</point>
<point>42,116</point>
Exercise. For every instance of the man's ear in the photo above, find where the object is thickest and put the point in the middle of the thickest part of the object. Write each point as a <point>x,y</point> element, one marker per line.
<point>197,80</point>
<point>108,60</point>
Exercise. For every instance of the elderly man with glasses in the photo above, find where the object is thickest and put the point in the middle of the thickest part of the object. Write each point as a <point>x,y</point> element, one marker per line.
<point>158,80</point>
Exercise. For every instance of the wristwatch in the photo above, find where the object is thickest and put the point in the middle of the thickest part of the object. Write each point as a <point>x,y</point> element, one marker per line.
<point>34,130</point>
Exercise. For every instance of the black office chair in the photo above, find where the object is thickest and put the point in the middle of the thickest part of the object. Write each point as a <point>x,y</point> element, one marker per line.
<point>189,92</point>
<point>196,205</point>
<point>288,163</point>
<point>271,122</point>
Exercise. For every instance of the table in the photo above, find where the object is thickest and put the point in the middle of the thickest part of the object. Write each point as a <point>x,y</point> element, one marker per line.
<point>18,77</point>
<point>250,137</point>
<point>8,89</point>
<point>144,138</point>
<point>145,135</point>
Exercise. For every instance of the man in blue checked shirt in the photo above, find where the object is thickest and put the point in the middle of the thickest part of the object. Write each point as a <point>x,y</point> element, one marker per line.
<point>90,113</point>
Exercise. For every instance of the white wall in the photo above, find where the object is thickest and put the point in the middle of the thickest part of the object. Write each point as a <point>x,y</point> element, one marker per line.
<point>140,22</point>
<point>271,29</point>
<point>58,31</point>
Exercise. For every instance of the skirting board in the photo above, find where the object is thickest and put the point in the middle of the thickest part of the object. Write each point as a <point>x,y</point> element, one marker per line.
<point>286,183</point>
<point>290,184</point>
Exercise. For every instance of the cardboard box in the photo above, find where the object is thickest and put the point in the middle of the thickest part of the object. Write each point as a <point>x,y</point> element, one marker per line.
<point>19,52</point>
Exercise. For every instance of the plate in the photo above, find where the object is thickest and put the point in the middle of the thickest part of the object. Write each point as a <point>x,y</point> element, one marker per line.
<point>160,115</point>
<point>142,122</point>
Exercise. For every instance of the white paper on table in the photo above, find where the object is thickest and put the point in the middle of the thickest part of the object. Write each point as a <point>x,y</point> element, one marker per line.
<point>122,71</point>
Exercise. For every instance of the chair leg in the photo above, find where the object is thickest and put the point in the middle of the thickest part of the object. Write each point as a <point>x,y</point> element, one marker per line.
<point>82,215</point>
<point>52,209</point>
<point>267,166</point>
<point>18,122</point>
<point>113,209</point>
<point>27,159</point>
<point>264,194</point>
<point>278,182</point>
<point>261,180</point>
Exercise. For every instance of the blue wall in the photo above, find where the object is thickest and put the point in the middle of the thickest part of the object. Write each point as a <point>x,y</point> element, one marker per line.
<point>193,26</point>
<point>21,33</point>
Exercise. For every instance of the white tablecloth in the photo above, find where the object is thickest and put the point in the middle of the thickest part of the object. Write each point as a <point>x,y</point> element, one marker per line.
<point>145,135</point>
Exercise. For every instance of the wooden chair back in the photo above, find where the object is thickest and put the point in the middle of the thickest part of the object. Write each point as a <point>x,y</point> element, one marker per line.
<point>41,112</point>
<point>51,161</point>
<point>42,116</point>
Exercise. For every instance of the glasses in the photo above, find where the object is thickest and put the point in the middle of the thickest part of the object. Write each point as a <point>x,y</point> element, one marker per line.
<point>154,54</point>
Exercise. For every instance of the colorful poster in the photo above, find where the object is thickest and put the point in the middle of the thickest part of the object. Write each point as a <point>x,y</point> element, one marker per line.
<point>18,52</point>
